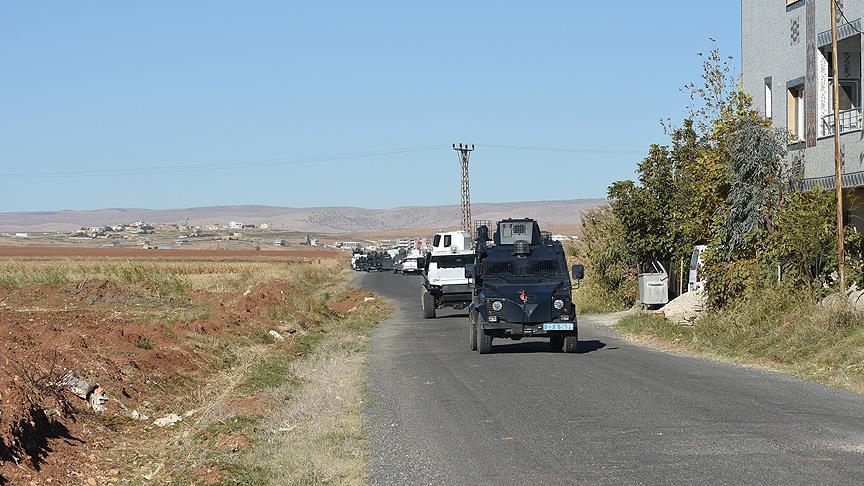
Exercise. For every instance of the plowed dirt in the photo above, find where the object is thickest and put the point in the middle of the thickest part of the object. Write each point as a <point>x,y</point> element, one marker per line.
<point>106,333</point>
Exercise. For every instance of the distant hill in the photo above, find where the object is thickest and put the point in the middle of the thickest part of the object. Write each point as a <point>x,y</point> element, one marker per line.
<point>314,220</point>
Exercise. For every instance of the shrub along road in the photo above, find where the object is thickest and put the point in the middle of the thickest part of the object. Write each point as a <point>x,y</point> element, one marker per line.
<point>617,412</point>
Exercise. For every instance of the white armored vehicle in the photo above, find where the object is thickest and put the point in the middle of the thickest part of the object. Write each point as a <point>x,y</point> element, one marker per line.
<point>444,280</point>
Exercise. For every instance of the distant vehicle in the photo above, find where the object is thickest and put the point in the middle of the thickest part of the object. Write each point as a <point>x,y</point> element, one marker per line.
<point>697,269</point>
<point>444,281</point>
<point>387,262</point>
<point>373,262</point>
<point>355,258</point>
<point>521,288</point>
<point>359,262</point>
<point>280,242</point>
<point>412,265</point>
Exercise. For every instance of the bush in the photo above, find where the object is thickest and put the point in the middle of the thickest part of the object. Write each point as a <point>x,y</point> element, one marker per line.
<point>610,276</point>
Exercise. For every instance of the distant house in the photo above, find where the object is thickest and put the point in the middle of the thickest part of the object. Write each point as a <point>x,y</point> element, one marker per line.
<point>234,225</point>
<point>264,226</point>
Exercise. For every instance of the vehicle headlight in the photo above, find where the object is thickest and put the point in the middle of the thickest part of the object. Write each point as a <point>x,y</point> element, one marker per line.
<point>559,304</point>
<point>497,305</point>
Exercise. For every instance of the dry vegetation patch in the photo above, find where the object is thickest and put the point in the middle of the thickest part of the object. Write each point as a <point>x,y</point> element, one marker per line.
<point>777,329</point>
<point>158,338</point>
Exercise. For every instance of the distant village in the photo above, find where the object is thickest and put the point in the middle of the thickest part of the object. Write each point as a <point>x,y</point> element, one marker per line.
<point>174,235</point>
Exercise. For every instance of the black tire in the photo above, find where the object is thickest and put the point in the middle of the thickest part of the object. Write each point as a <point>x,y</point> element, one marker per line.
<point>428,302</point>
<point>571,344</point>
<point>556,342</point>
<point>472,327</point>
<point>484,341</point>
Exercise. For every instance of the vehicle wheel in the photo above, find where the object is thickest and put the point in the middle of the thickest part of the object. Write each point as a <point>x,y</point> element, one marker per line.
<point>484,341</point>
<point>472,325</point>
<point>556,342</point>
<point>571,344</point>
<point>428,301</point>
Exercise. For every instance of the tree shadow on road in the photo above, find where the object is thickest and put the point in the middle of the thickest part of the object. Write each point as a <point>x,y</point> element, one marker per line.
<point>519,347</point>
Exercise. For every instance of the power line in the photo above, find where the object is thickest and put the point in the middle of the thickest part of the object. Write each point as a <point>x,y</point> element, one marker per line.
<point>565,149</point>
<point>175,169</point>
<point>167,169</point>
<point>843,14</point>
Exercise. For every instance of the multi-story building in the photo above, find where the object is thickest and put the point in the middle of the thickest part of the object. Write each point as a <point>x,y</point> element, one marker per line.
<point>787,69</point>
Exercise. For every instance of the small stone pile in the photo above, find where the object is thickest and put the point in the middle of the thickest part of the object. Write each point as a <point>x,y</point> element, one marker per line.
<point>686,308</point>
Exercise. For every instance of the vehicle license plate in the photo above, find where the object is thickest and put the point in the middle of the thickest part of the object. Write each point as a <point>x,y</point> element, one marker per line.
<point>558,327</point>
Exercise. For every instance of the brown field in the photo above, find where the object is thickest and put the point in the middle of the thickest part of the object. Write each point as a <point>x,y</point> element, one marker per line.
<point>49,251</point>
<point>158,336</point>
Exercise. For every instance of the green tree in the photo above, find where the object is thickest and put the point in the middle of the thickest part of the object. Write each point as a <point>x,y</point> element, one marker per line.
<point>758,177</point>
<point>804,239</point>
<point>645,209</point>
<point>609,265</point>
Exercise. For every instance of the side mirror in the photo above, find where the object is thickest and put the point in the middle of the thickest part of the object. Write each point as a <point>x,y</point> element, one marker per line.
<point>578,272</point>
<point>469,270</point>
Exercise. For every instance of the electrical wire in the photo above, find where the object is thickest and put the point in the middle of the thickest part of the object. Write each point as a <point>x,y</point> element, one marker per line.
<point>842,14</point>
<point>177,169</point>
<point>283,162</point>
<point>564,149</point>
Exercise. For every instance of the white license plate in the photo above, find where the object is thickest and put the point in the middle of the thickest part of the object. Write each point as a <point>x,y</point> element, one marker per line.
<point>558,327</point>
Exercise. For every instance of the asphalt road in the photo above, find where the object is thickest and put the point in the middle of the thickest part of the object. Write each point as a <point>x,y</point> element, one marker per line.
<point>616,413</point>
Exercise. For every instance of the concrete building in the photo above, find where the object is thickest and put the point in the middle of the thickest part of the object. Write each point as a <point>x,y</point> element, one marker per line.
<point>787,69</point>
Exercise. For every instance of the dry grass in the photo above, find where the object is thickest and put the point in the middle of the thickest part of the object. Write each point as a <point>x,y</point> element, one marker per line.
<point>776,329</point>
<point>293,405</point>
<point>317,437</point>
<point>218,276</point>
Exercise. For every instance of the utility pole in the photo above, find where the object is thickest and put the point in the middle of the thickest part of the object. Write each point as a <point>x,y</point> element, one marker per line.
<point>838,156</point>
<point>464,154</point>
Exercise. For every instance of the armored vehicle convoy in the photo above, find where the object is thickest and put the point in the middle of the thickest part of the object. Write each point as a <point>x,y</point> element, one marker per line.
<point>521,288</point>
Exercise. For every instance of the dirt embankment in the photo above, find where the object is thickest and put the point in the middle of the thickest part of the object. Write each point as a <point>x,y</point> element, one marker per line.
<point>144,350</point>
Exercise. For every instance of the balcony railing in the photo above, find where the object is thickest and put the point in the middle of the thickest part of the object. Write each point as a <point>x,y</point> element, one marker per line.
<point>850,121</point>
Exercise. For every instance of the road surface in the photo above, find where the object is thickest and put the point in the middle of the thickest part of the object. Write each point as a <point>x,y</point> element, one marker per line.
<point>617,413</point>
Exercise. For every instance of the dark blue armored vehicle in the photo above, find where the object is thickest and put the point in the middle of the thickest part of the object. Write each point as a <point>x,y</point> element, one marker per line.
<point>522,288</point>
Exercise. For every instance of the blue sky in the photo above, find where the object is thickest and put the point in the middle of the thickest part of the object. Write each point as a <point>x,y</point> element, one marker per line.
<point>175,104</point>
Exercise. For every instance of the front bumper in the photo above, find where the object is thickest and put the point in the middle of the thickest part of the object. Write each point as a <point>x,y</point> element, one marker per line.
<point>515,329</point>
<point>455,293</point>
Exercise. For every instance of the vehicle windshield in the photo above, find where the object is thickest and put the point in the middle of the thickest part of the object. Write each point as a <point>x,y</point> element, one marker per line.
<point>694,260</point>
<point>452,261</point>
<point>549,268</point>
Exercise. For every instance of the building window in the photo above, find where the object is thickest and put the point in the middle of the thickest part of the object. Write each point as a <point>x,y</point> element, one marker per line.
<point>795,113</point>
<point>848,95</point>
<point>769,100</point>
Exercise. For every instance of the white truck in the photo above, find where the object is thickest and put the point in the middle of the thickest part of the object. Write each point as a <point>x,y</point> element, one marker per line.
<point>444,280</point>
